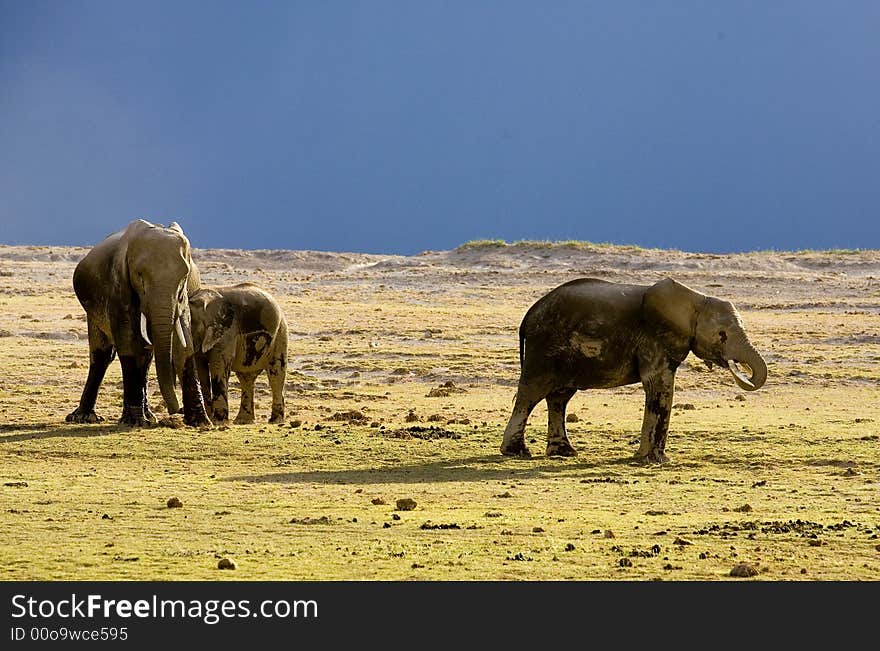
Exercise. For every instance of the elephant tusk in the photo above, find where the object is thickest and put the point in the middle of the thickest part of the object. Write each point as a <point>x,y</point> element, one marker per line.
<point>735,370</point>
<point>179,329</point>
<point>144,329</point>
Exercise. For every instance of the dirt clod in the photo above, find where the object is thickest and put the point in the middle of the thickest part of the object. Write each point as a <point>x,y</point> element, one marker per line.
<point>519,556</point>
<point>412,417</point>
<point>226,564</point>
<point>681,541</point>
<point>174,503</point>
<point>425,433</point>
<point>174,421</point>
<point>431,526</point>
<point>350,416</point>
<point>572,418</point>
<point>322,520</point>
<point>377,501</point>
<point>406,504</point>
<point>744,570</point>
<point>445,390</point>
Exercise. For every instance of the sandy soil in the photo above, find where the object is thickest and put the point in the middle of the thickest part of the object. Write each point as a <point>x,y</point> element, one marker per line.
<point>783,479</point>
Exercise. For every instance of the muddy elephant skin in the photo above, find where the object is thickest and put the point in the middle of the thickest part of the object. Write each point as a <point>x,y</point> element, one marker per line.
<point>239,328</point>
<point>590,333</point>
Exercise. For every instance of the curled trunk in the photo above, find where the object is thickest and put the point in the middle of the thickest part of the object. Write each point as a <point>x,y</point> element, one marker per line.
<point>741,351</point>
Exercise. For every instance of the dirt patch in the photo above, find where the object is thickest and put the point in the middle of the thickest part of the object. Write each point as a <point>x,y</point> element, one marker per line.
<point>321,520</point>
<point>424,432</point>
<point>744,570</point>
<point>445,390</point>
<point>405,504</point>
<point>352,416</point>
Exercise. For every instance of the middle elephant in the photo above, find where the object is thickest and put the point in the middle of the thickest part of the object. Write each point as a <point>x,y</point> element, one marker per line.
<point>239,328</point>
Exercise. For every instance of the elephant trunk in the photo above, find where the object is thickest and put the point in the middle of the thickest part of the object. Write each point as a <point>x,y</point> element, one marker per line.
<point>740,350</point>
<point>163,321</point>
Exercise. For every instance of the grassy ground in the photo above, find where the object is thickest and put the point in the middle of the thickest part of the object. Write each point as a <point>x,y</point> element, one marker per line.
<point>784,480</point>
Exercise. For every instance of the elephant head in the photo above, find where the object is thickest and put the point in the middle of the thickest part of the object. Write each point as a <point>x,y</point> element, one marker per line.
<point>708,326</point>
<point>212,318</point>
<point>162,273</point>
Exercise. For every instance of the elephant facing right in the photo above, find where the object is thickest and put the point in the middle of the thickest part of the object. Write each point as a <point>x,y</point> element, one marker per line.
<point>238,328</point>
<point>590,334</point>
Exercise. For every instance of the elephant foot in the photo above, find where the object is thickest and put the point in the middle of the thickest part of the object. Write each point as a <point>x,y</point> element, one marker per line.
<point>133,416</point>
<point>196,418</point>
<point>560,449</point>
<point>149,415</point>
<point>653,456</point>
<point>244,419</point>
<point>277,417</point>
<point>516,448</point>
<point>219,414</point>
<point>81,416</point>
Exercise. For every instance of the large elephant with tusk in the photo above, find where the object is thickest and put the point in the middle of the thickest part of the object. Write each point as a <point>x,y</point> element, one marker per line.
<point>135,286</point>
<point>590,333</point>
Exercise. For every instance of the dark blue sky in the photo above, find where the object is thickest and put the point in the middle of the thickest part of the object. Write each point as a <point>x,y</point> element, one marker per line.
<point>400,126</point>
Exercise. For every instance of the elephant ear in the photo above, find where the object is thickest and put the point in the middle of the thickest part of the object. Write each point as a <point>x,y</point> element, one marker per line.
<point>219,317</point>
<point>671,309</point>
<point>194,279</point>
<point>213,335</point>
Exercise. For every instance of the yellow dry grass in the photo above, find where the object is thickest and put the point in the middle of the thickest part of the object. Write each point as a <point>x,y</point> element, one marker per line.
<point>784,479</point>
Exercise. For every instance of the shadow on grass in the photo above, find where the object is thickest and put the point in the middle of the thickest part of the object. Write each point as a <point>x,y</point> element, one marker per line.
<point>10,433</point>
<point>476,468</point>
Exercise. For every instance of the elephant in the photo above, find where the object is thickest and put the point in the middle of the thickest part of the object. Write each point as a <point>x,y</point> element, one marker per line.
<point>239,328</point>
<point>590,333</point>
<point>134,287</point>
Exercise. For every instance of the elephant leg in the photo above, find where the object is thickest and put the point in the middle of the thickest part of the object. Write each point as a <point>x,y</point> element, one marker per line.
<point>659,389</point>
<point>194,413</point>
<point>133,374</point>
<point>204,377</point>
<point>277,372</point>
<point>219,369</point>
<point>527,397</point>
<point>246,406</point>
<point>557,438</point>
<point>148,413</point>
<point>101,353</point>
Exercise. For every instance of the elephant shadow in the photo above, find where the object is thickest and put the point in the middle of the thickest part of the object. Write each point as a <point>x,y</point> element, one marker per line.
<point>480,468</point>
<point>27,432</point>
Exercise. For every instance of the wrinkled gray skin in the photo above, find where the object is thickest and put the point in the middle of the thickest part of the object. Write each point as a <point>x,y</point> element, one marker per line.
<point>134,287</point>
<point>590,333</point>
<point>239,328</point>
